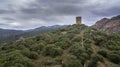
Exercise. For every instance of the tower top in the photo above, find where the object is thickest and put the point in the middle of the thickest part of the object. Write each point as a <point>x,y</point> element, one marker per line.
<point>79,20</point>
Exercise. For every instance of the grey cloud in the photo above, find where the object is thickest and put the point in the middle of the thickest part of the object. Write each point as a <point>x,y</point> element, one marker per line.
<point>108,12</point>
<point>2,24</point>
<point>46,10</point>
<point>50,12</point>
<point>8,18</point>
<point>3,11</point>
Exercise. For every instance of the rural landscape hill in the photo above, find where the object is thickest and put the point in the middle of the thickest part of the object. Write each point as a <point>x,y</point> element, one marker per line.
<point>73,46</point>
<point>58,33</point>
<point>110,25</point>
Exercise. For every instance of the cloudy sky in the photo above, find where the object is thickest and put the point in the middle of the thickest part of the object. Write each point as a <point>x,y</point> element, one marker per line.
<point>27,14</point>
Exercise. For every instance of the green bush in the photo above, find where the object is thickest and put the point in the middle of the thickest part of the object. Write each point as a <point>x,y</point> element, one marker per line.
<point>88,49</point>
<point>97,58</point>
<point>33,55</point>
<point>79,52</point>
<point>30,54</point>
<point>94,60</point>
<point>113,44</point>
<point>71,61</point>
<point>48,61</point>
<point>103,53</point>
<point>63,44</point>
<point>52,50</point>
<point>99,40</point>
<point>18,65</point>
<point>114,58</point>
<point>77,49</point>
<point>92,64</point>
<point>77,39</point>
<point>15,59</point>
<point>37,47</point>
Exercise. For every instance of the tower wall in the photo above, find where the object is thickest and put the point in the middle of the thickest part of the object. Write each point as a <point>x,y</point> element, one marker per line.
<point>78,20</point>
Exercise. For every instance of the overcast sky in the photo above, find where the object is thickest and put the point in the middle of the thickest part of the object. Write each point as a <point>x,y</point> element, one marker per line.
<point>27,14</point>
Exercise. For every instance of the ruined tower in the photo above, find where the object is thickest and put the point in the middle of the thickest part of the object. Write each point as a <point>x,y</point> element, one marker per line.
<point>79,20</point>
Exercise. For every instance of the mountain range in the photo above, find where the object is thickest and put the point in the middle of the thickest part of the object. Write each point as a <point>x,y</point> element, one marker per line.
<point>7,35</point>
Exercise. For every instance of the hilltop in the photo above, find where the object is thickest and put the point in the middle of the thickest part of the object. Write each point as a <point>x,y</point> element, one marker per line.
<point>110,25</point>
<point>73,46</point>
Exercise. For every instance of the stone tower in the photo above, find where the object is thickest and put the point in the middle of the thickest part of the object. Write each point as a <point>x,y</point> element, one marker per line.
<point>78,20</point>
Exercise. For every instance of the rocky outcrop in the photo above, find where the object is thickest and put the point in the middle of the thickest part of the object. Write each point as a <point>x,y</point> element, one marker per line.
<point>111,25</point>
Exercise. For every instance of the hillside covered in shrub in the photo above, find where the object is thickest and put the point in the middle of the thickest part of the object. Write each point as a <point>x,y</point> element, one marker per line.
<point>74,46</point>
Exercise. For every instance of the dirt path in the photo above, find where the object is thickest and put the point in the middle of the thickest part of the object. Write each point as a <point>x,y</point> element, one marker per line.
<point>37,63</point>
<point>94,48</point>
<point>110,64</point>
<point>100,64</point>
<point>86,63</point>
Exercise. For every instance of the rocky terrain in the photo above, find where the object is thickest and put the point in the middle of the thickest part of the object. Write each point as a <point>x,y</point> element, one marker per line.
<point>110,25</point>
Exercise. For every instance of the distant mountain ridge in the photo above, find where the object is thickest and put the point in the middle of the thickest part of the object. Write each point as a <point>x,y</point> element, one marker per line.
<point>7,32</point>
<point>7,35</point>
<point>110,25</point>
